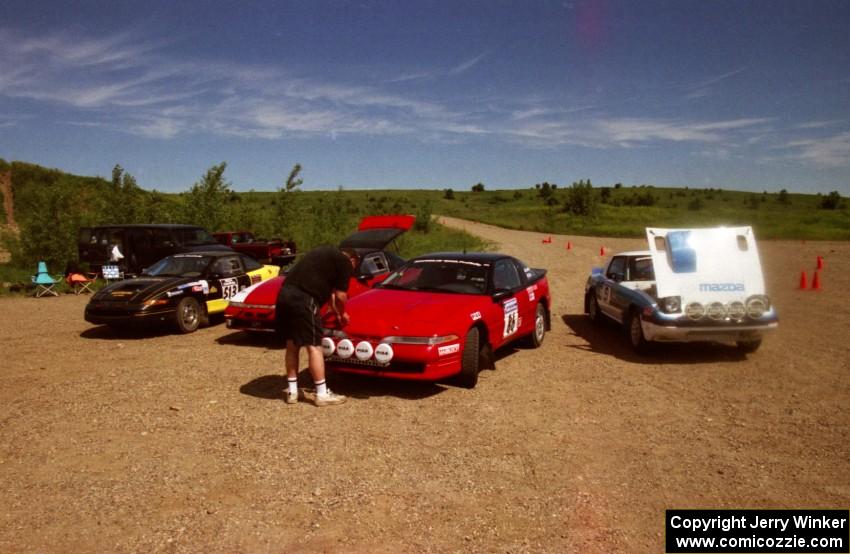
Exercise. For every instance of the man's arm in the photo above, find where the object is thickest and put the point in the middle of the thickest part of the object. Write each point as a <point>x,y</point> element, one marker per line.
<point>338,300</point>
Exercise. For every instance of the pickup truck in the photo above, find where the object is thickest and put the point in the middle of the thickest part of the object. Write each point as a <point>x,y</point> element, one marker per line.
<point>275,251</point>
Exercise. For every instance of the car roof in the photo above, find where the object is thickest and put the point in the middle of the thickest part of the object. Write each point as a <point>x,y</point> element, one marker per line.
<point>478,257</point>
<point>147,226</point>
<point>212,253</point>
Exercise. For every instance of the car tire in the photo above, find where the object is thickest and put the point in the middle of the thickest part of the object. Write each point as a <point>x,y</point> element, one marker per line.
<point>188,315</point>
<point>634,331</point>
<point>470,361</point>
<point>592,307</point>
<point>535,339</point>
<point>748,346</point>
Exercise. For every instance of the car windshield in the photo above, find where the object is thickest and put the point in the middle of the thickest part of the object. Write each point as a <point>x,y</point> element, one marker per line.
<point>194,237</point>
<point>433,275</point>
<point>179,266</point>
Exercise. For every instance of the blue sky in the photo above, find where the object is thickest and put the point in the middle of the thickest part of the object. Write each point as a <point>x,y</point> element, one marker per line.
<point>745,95</point>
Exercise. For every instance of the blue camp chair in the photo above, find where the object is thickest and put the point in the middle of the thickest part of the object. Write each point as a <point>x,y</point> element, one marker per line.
<point>44,282</point>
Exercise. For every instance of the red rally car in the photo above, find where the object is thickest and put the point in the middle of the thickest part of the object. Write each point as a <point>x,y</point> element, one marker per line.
<point>253,309</point>
<point>442,315</point>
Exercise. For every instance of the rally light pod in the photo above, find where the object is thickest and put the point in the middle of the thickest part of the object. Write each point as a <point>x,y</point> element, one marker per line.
<point>345,349</point>
<point>363,351</point>
<point>384,353</point>
<point>328,346</point>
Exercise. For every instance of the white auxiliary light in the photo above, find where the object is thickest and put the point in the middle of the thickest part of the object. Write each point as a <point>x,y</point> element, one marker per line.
<point>363,351</point>
<point>345,349</point>
<point>328,346</point>
<point>384,353</point>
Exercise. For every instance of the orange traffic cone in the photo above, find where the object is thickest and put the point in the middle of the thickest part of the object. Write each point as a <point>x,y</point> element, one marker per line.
<point>601,250</point>
<point>569,245</point>
<point>820,262</point>
<point>816,281</point>
<point>804,283</point>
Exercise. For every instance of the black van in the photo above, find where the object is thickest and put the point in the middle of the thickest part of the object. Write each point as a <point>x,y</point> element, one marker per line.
<point>140,245</point>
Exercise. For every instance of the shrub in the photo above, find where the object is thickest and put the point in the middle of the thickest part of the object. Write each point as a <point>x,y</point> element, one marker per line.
<point>832,201</point>
<point>580,199</point>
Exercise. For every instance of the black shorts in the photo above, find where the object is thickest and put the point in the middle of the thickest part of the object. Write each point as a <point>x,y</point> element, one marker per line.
<point>297,315</point>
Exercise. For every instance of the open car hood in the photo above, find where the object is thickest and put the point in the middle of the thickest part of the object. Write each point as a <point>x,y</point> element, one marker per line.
<point>375,232</point>
<point>719,264</point>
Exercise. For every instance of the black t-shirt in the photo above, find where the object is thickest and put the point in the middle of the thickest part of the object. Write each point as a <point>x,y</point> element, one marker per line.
<point>319,271</point>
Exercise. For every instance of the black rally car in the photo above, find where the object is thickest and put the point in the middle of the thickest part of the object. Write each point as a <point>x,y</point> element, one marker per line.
<point>183,289</point>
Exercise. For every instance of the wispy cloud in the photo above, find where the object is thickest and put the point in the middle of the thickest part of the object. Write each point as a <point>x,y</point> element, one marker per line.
<point>129,83</point>
<point>828,152</point>
<point>629,132</point>
<point>467,65</point>
<point>707,87</point>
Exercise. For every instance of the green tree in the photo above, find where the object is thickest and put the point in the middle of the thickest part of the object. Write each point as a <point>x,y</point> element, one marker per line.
<point>831,201</point>
<point>449,194</point>
<point>580,199</point>
<point>423,217</point>
<point>478,187</point>
<point>206,202</point>
<point>126,199</point>
<point>783,197</point>
<point>287,203</point>
<point>50,232</point>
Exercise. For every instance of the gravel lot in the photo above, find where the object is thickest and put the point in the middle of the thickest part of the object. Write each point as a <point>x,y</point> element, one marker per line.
<point>156,442</point>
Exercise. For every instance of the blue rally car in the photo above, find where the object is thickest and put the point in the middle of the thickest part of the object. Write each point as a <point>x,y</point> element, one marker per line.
<point>691,285</point>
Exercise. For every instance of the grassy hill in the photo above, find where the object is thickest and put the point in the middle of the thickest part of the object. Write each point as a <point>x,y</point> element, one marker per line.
<point>50,205</point>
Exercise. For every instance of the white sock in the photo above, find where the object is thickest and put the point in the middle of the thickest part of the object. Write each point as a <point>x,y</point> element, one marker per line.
<point>321,388</point>
<point>293,385</point>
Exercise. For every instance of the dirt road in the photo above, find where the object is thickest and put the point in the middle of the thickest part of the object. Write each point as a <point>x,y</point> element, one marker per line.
<point>156,442</point>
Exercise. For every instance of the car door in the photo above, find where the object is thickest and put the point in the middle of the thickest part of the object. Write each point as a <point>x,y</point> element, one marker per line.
<point>610,297</point>
<point>515,305</point>
<point>227,278</point>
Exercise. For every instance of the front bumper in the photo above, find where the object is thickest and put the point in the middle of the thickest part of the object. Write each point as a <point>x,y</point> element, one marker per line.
<point>410,362</point>
<point>117,316</point>
<point>654,331</point>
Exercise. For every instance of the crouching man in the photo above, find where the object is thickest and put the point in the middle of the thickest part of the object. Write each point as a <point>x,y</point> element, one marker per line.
<point>321,276</point>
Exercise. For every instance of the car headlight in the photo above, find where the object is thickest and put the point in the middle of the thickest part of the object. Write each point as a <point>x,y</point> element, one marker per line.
<point>430,341</point>
<point>695,310</point>
<point>670,304</point>
<point>737,311</point>
<point>246,306</point>
<point>156,302</point>
<point>335,333</point>
<point>716,311</point>
<point>757,305</point>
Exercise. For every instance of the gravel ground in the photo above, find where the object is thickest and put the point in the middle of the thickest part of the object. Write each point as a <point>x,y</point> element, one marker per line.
<point>154,442</point>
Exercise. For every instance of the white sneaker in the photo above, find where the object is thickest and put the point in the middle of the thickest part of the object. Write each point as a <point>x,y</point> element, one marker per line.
<point>328,399</point>
<point>289,397</point>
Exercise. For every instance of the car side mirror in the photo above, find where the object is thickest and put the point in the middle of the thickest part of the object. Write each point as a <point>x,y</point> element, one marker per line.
<point>501,294</point>
<point>617,277</point>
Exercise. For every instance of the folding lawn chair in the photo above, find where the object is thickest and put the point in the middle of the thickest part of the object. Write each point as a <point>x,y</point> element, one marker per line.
<point>79,282</point>
<point>44,282</point>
